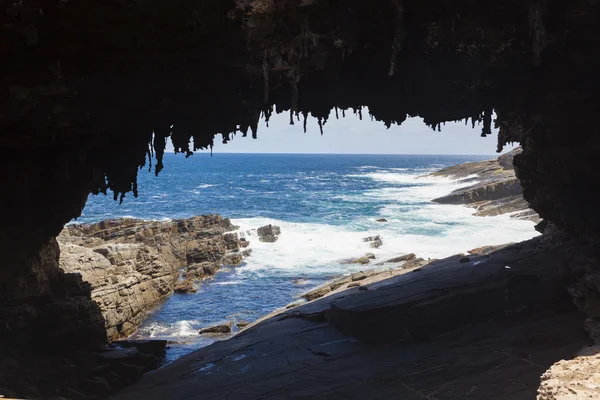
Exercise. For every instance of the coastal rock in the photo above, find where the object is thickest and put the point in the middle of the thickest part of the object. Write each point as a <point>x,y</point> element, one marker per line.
<point>506,160</point>
<point>127,280</point>
<point>404,258</point>
<point>293,305</point>
<point>359,276</point>
<point>381,220</point>
<point>337,283</point>
<point>421,321</point>
<point>242,324</point>
<point>375,242</point>
<point>269,233</point>
<point>366,259</point>
<point>203,270</point>
<point>317,293</point>
<point>577,378</point>
<point>221,329</point>
<point>416,263</point>
<point>185,287</point>
<point>131,265</point>
<point>233,260</point>
<point>485,250</point>
<point>497,191</point>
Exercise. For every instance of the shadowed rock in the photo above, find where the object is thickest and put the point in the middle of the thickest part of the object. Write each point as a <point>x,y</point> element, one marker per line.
<point>217,329</point>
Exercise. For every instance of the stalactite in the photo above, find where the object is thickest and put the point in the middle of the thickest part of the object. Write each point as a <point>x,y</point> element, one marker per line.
<point>337,116</point>
<point>294,109</point>
<point>149,155</point>
<point>305,113</point>
<point>487,123</point>
<point>268,112</point>
<point>360,113</point>
<point>254,123</point>
<point>160,142</point>
<point>320,125</point>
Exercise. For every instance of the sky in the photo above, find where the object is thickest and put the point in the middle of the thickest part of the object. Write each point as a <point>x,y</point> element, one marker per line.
<point>350,135</point>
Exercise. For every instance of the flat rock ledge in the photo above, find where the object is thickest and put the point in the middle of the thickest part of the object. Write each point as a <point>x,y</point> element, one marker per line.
<point>448,330</point>
<point>404,264</point>
<point>497,190</point>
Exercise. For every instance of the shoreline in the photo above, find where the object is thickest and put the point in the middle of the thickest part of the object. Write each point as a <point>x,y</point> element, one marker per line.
<point>133,231</point>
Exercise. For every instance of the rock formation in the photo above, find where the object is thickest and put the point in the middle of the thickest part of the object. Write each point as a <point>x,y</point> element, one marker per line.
<point>91,90</point>
<point>127,281</point>
<point>498,191</point>
<point>396,266</point>
<point>375,242</point>
<point>573,379</point>
<point>132,265</point>
<point>445,331</point>
<point>222,329</point>
<point>268,233</point>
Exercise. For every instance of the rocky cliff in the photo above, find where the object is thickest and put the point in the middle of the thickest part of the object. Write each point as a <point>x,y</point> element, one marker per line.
<point>496,191</point>
<point>132,265</point>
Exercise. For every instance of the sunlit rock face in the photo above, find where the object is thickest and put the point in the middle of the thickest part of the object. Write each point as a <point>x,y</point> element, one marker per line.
<point>87,84</point>
<point>132,265</point>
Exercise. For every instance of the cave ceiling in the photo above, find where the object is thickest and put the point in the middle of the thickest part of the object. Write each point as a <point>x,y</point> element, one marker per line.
<point>91,89</point>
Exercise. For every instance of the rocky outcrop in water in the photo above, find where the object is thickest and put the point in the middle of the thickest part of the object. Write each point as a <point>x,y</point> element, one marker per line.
<point>268,233</point>
<point>221,329</point>
<point>132,265</point>
<point>497,191</point>
<point>375,242</point>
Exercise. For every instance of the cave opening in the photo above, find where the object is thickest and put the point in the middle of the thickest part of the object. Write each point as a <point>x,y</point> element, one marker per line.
<point>92,90</point>
<point>333,198</point>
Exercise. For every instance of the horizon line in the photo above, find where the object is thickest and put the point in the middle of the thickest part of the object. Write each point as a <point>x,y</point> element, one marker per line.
<point>338,154</point>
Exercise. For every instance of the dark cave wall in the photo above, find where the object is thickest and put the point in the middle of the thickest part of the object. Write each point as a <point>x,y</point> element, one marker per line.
<point>42,308</point>
<point>88,83</point>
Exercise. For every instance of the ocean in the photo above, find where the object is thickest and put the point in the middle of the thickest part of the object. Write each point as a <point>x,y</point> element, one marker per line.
<point>324,204</point>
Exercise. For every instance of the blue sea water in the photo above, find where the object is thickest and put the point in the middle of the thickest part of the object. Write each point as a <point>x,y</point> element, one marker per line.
<point>324,204</point>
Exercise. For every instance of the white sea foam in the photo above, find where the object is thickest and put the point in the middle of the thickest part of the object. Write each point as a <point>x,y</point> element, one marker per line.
<point>415,225</point>
<point>179,329</point>
<point>227,283</point>
<point>206,186</point>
